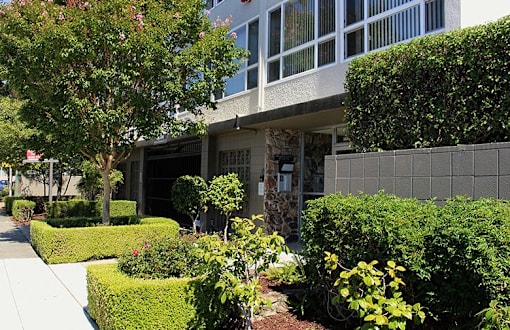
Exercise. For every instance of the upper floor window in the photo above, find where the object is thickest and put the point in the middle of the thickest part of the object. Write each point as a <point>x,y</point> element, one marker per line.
<point>247,36</point>
<point>212,3</point>
<point>301,37</point>
<point>386,22</point>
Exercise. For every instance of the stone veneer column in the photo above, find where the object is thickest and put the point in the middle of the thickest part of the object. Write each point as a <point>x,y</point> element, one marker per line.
<point>281,208</point>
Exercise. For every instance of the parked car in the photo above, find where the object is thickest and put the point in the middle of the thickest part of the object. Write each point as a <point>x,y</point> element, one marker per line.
<point>3,184</point>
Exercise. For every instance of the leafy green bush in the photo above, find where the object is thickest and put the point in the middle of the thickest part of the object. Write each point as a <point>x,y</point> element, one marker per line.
<point>117,301</point>
<point>9,202</point>
<point>233,267</point>
<point>469,255</point>
<point>438,90</point>
<point>22,209</point>
<point>291,272</point>
<point>169,257</point>
<point>75,222</point>
<point>495,316</point>
<point>71,208</point>
<point>457,256</point>
<point>375,296</point>
<point>59,245</point>
<point>85,208</point>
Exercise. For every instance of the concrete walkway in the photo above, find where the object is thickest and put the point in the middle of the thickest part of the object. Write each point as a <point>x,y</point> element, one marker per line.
<point>36,296</point>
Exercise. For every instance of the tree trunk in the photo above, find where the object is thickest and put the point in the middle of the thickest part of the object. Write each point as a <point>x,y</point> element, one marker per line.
<point>106,198</point>
<point>107,189</point>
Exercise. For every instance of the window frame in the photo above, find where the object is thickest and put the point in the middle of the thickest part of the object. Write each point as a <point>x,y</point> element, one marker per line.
<point>246,68</point>
<point>317,40</point>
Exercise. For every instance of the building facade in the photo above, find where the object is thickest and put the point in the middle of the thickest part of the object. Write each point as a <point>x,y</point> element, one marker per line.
<point>284,111</point>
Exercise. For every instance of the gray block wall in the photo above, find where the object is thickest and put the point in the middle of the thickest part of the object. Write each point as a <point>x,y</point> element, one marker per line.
<point>476,171</point>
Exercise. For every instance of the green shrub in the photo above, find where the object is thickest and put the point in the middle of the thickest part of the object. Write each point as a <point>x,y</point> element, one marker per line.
<point>116,301</point>
<point>470,256</point>
<point>457,256</point>
<point>374,296</point>
<point>71,208</point>
<point>169,257</point>
<point>118,208</point>
<point>445,89</point>
<point>9,201</point>
<point>59,245</point>
<point>495,316</point>
<point>74,222</point>
<point>85,208</point>
<point>22,209</point>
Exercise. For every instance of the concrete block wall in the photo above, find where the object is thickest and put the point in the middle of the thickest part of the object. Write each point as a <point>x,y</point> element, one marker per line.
<point>476,171</point>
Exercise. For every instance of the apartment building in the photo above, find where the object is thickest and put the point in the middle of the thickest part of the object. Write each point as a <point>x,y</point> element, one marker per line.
<point>284,110</point>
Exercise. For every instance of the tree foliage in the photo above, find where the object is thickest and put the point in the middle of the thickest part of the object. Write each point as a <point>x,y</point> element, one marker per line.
<point>189,196</point>
<point>98,76</point>
<point>226,194</point>
<point>438,90</point>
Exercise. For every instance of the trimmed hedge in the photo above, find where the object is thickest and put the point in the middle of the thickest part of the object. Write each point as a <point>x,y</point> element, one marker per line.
<point>116,301</point>
<point>60,245</point>
<point>457,255</point>
<point>438,90</point>
<point>22,209</point>
<point>74,222</point>
<point>9,202</point>
<point>85,208</point>
<point>40,202</point>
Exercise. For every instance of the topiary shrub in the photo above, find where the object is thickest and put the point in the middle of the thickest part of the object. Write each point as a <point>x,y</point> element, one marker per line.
<point>226,194</point>
<point>118,208</point>
<point>189,196</point>
<point>22,209</point>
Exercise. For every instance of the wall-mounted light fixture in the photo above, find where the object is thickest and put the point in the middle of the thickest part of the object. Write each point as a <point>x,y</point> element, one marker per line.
<point>237,125</point>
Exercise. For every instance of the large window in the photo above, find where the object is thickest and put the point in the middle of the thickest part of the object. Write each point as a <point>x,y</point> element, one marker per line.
<point>301,37</point>
<point>247,37</point>
<point>374,24</point>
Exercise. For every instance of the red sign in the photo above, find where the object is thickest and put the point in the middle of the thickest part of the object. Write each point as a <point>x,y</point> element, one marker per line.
<point>31,155</point>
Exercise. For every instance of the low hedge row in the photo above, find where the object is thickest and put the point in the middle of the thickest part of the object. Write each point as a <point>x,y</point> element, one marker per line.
<point>60,245</point>
<point>116,301</point>
<point>22,209</point>
<point>82,207</point>
<point>74,222</point>
<point>457,255</point>
<point>40,202</point>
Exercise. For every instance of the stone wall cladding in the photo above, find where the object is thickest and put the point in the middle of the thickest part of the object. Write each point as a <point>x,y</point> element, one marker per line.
<point>480,170</point>
<point>281,208</point>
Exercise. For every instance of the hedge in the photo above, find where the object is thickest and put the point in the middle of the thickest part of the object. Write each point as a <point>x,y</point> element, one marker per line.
<point>116,301</point>
<point>438,90</point>
<point>457,255</point>
<point>40,202</point>
<point>82,207</point>
<point>61,245</point>
<point>22,209</point>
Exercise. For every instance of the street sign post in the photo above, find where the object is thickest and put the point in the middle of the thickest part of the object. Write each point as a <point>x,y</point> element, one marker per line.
<point>32,157</point>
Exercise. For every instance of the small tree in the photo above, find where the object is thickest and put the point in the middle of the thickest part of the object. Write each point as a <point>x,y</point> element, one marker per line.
<point>189,196</point>
<point>233,267</point>
<point>226,193</point>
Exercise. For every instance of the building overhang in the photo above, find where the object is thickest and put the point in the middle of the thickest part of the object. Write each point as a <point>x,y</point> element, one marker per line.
<point>323,112</point>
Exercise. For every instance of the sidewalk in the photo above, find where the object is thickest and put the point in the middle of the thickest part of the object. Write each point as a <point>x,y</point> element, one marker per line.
<point>36,296</point>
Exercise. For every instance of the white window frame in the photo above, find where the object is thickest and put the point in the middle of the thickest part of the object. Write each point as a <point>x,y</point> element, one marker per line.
<point>364,24</point>
<point>246,67</point>
<point>315,42</point>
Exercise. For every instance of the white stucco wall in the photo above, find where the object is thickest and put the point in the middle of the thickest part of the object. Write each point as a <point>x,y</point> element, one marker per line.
<point>475,12</point>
